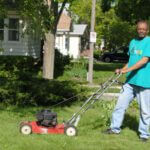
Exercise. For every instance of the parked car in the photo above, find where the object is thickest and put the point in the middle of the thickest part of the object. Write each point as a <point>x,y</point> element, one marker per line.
<point>115,56</point>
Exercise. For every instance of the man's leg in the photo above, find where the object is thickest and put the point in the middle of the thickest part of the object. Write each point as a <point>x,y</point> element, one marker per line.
<point>126,96</point>
<point>143,97</point>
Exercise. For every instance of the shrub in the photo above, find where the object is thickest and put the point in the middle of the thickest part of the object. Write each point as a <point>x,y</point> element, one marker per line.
<point>60,62</point>
<point>21,84</point>
<point>97,54</point>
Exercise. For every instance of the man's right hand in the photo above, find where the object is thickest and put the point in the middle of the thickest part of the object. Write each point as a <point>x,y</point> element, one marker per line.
<point>118,71</point>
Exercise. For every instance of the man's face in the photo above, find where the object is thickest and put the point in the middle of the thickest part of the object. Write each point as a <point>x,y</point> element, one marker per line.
<point>142,29</point>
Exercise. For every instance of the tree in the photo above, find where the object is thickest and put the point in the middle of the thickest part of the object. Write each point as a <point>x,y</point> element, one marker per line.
<point>114,31</point>
<point>44,16</point>
<point>81,13</point>
<point>109,26</point>
<point>133,10</point>
<point>107,4</point>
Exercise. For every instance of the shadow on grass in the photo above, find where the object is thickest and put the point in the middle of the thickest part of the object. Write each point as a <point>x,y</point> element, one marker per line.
<point>107,66</point>
<point>130,122</point>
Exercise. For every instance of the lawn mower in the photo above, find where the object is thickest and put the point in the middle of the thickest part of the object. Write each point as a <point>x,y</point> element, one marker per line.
<point>47,120</point>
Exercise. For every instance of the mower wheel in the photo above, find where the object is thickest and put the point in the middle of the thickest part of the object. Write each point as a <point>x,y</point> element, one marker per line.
<point>25,129</point>
<point>70,130</point>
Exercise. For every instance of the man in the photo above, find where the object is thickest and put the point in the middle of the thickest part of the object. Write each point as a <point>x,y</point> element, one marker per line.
<point>137,83</point>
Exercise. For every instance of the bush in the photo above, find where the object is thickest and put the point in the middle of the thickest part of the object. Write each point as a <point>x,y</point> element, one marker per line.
<point>36,92</point>
<point>97,54</point>
<point>21,84</point>
<point>60,62</point>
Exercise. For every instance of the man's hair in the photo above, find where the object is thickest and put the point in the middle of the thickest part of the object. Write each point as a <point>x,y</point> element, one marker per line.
<point>143,21</point>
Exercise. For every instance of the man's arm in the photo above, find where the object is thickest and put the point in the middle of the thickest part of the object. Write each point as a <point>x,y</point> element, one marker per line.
<point>138,65</point>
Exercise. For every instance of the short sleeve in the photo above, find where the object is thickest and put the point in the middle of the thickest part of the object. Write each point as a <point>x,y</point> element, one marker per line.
<point>130,47</point>
<point>146,52</point>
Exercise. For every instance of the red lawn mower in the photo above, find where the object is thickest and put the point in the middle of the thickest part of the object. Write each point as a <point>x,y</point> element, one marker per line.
<point>47,121</point>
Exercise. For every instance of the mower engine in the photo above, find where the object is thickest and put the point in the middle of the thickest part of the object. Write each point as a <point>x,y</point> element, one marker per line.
<point>46,118</point>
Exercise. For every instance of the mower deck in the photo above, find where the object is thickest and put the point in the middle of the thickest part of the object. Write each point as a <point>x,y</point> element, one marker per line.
<point>33,127</point>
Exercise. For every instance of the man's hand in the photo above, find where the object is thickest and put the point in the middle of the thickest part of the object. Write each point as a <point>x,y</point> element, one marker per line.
<point>118,71</point>
<point>124,71</point>
<point>121,71</point>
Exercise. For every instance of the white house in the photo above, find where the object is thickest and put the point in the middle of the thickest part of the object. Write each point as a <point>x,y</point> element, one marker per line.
<point>12,39</point>
<point>62,34</point>
<point>68,38</point>
<point>75,40</point>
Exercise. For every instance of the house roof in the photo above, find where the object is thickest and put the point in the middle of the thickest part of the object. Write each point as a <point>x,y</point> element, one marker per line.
<point>64,23</point>
<point>78,29</point>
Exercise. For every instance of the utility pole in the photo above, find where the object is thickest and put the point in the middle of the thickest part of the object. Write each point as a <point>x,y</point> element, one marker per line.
<point>92,41</point>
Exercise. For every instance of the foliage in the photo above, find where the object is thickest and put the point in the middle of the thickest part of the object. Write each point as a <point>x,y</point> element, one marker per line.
<point>40,16</point>
<point>3,10</point>
<point>133,10</point>
<point>115,32</point>
<point>107,23</point>
<point>97,54</point>
<point>81,13</point>
<point>106,5</point>
<point>60,62</point>
<point>36,14</point>
<point>81,10</point>
<point>21,83</point>
<point>119,34</point>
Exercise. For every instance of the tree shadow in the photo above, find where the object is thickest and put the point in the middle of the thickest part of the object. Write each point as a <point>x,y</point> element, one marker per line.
<point>107,66</point>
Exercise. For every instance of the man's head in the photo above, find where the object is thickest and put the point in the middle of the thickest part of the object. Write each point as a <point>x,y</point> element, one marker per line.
<point>142,29</point>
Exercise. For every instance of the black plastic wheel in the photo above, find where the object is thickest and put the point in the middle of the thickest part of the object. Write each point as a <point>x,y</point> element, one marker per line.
<point>107,59</point>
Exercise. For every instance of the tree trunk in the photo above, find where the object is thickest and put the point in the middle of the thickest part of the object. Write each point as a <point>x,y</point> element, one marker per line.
<point>48,56</point>
<point>49,42</point>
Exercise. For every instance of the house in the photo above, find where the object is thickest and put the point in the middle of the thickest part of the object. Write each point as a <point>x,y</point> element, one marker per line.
<point>13,41</point>
<point>62,34</point>
<point>69,37</point>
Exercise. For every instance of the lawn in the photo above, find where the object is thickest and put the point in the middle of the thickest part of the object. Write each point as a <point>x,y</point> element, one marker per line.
<point>90,136</point>
<point>91,125</point>
<point>77,71</point>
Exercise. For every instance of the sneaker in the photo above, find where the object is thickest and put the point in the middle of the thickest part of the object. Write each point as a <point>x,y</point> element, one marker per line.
<point>144,139</point>
<point>109,131</point>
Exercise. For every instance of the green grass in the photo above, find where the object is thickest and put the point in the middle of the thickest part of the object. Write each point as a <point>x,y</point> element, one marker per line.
<point>90,136</point>
<point>77,71</point>
<point>91,125</point>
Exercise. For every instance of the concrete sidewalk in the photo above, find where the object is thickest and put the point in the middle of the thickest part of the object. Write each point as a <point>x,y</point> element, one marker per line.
<point>108,95</point>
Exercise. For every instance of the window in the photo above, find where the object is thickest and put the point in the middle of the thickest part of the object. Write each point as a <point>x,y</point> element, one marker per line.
<point>67,42</point>
<point>1,29</point>
<point>13,29</point>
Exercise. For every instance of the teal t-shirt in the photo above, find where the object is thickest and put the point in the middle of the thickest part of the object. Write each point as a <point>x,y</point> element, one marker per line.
<point>137,50</point>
